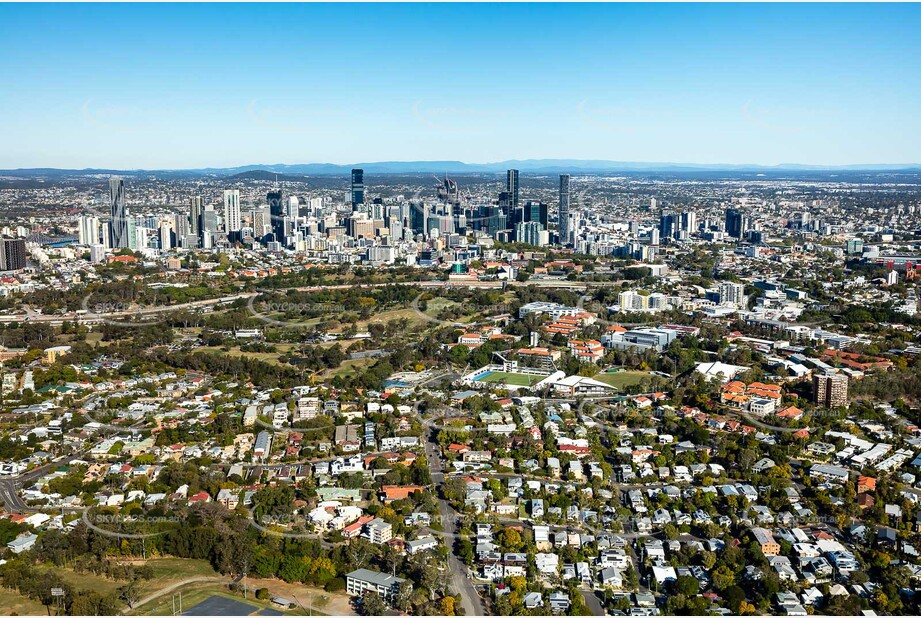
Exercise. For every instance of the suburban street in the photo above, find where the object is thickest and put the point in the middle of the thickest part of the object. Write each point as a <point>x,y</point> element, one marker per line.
<point>460,580</point>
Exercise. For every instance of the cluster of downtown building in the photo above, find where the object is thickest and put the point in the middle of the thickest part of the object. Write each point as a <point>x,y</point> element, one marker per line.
<point>357,225</point>
<point>284,222</point>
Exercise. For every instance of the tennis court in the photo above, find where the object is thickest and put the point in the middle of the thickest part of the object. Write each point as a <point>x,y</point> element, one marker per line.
<point>221,606</point>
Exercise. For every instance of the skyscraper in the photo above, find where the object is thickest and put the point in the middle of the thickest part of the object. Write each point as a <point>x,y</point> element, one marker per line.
<point>668,225</point>
<point>233,219</point>
<point>277,212</point>
<point>167,234</point>
<point>736,222</point>
<point>118,226</point>
<point>419,217</point>
<point>689,222</point>
<point>511,187</point>
<point>89,230</point>
<point>195,209</point>
<point>262,223</point>
<point>13,254</point>
<point>358,189</point>
<point>448,192</point>
<point>563,226</point>
<point>534,211</point>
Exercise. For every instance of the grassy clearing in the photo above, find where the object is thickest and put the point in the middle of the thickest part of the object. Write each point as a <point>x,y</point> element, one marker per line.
<point>268,357</point>
<point>88,581</point>
<point>192,595</point>
<point>14,604</point>
<point>350,368</point>
<point>95,338</point>
<point>622,379</point>
<point>394,314</point>
<point>168,571</point>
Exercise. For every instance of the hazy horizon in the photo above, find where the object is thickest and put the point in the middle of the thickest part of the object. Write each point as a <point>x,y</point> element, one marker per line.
<point>528,165</point>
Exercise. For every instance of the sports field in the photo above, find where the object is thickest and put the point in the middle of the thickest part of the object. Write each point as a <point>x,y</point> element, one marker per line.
<point>622,379</point>
<point>515,379</point>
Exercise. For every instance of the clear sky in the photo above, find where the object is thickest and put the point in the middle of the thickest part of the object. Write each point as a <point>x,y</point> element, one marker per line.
<point>176,86</point>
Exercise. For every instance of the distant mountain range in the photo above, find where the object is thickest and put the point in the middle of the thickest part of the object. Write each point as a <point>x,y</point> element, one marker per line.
<point>532,166</point>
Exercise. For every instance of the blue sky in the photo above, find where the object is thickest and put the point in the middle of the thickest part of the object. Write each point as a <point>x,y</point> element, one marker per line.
<point>173,86</point>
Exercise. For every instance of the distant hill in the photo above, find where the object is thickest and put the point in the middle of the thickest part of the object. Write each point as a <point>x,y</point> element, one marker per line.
<point>533,166</point>
<point>268,175</point>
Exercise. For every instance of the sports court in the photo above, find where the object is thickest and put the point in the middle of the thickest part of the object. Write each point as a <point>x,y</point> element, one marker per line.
<point>223,606</point>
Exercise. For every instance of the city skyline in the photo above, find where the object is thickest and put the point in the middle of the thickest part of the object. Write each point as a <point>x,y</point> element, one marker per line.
<point>140,87</point>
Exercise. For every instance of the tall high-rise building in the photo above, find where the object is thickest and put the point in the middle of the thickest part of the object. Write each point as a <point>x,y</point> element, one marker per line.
<point>167,233</point>
<point>563,226</point>
<point>358,189</point>
<point>137,235</point>
<point>829,389</point>
<point>294,207</point>
<point>511,187</point>
<point>181,225</point>
<point>689,222</point>
<point>736,222</point>
<point>668,225</point>
<point>418,217</point>
<point>532,233</point>
<point>732,293</point>
<point>277,212</point>
<point>490,219</point>
<point>448,192</point>
<point>13,254</point>
<point>209,226</point>
<point>89,230</point>
<point>118,225</point>
<point>262,223</point>
<point>233,218</point>
<point>532,210</point>
<point>195,208</point>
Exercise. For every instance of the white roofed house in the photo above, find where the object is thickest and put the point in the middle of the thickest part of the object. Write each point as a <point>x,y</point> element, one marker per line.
<point>559,601</point>
<point>547,563</point>
<point>229,498</point>
<point>537,508</point>
<point>22,543</point>
<point>421,544</point>
<point>610,577</point>
<point>263,446</point>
